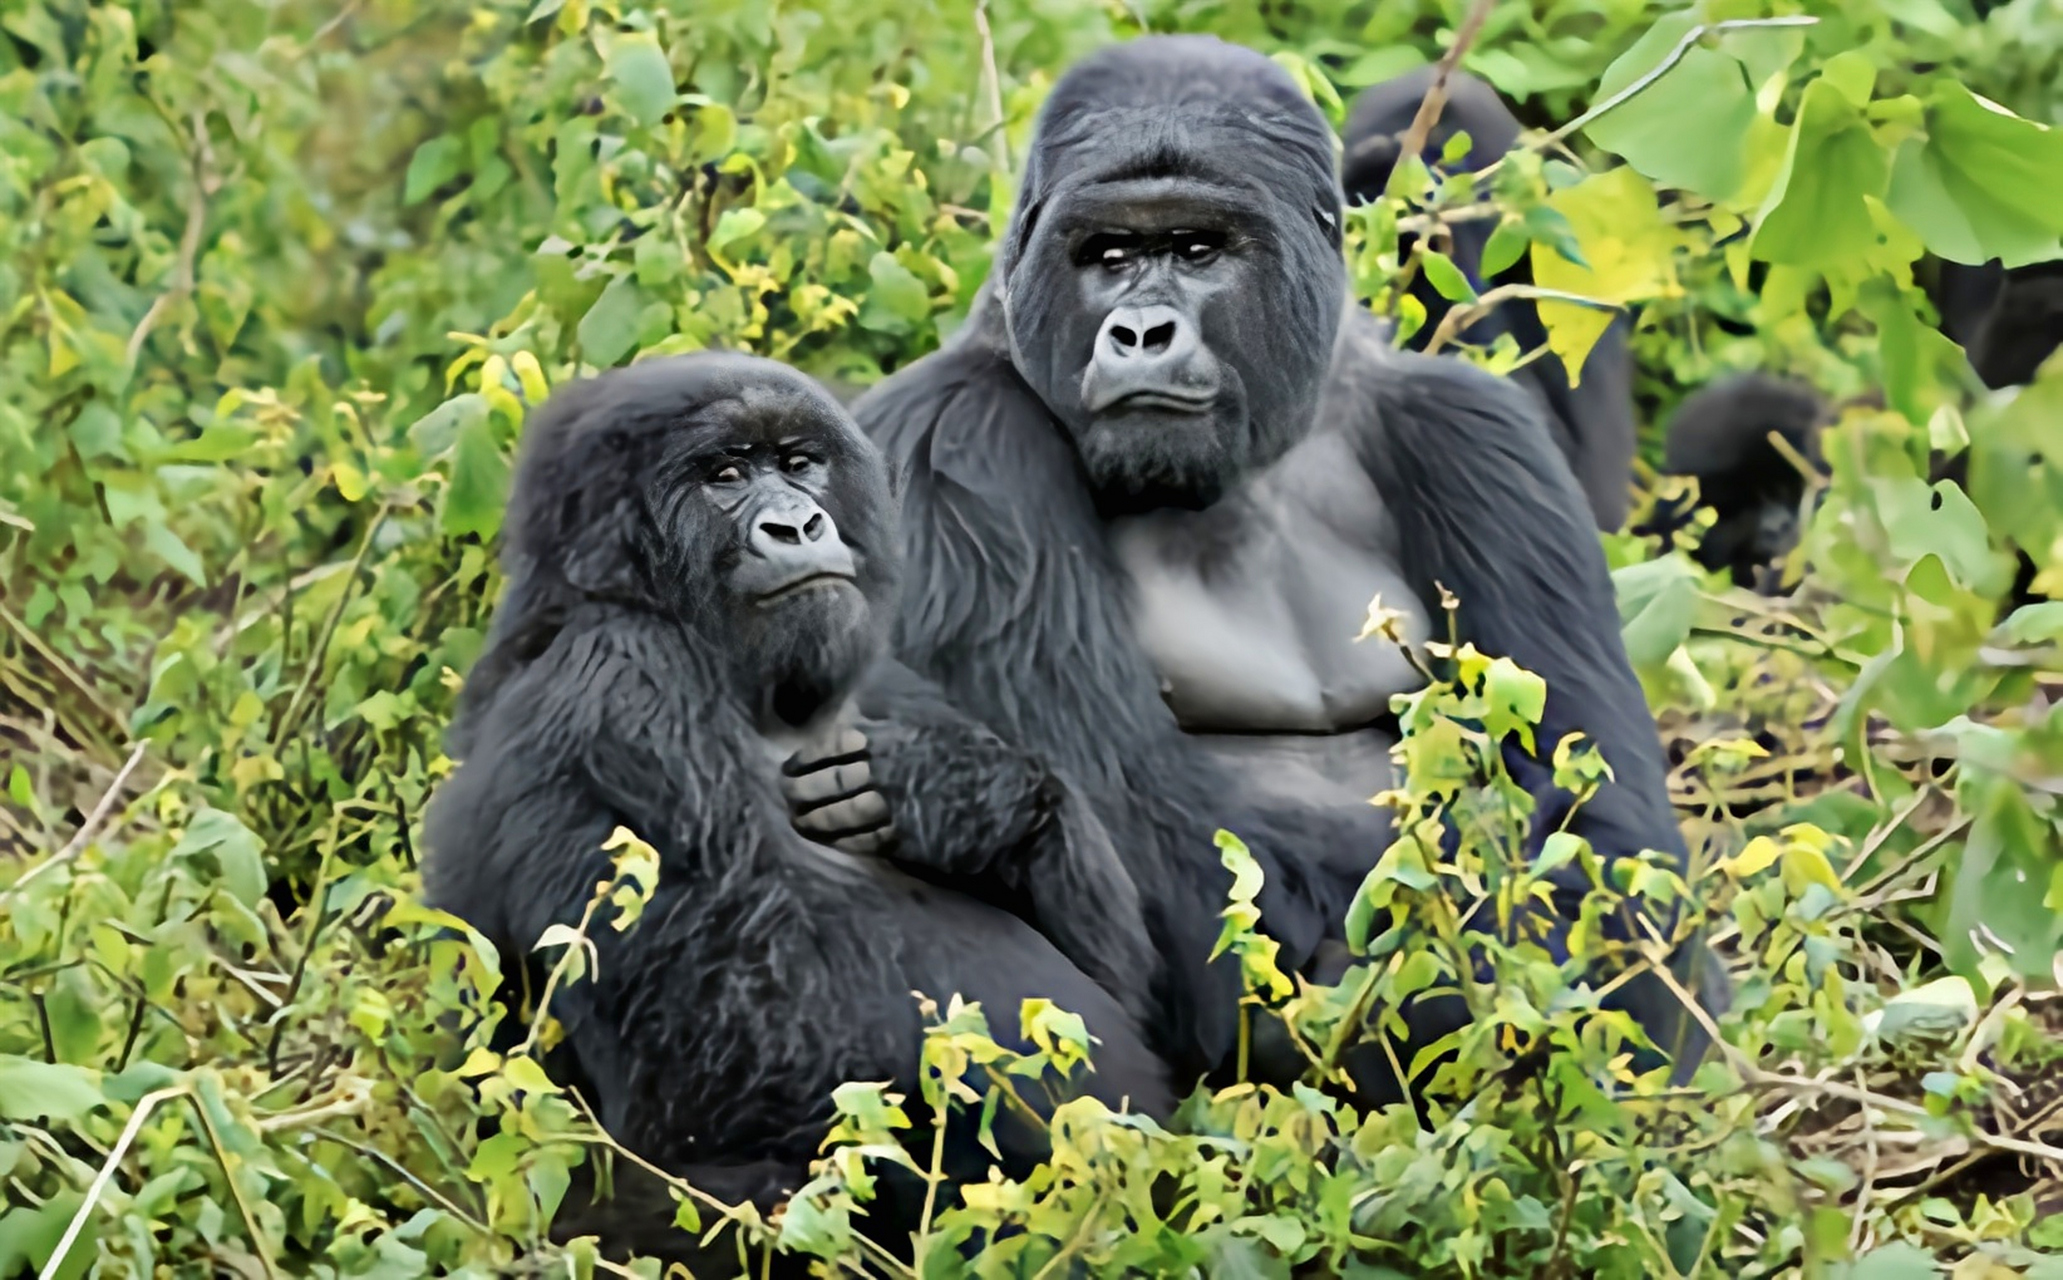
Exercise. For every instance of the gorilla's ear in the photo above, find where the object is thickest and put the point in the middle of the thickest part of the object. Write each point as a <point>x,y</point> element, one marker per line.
<point>590,517</point>
<point>604,550</point>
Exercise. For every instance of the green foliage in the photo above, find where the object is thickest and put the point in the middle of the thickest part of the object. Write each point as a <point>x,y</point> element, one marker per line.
<point>279,283</point>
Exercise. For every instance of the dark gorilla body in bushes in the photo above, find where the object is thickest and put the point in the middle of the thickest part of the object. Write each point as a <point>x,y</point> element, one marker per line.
<point>702,559</point>
<point>1590,418</point>
<point>1154,482</point>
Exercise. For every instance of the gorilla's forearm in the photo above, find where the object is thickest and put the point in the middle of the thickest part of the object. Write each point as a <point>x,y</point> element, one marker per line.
<point>975,813</point>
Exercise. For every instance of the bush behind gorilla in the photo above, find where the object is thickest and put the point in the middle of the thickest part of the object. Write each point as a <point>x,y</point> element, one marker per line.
<point>701,559</point>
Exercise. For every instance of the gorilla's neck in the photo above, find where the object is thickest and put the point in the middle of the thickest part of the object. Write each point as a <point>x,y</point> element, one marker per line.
<point>788,727</point>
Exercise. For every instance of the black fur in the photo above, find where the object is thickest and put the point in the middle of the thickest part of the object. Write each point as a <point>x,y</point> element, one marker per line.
<point>2008,321</point>
<point>1016,606</point>
<point>630,678</point>
<point>1720,435</point>
<point>1593,421</point>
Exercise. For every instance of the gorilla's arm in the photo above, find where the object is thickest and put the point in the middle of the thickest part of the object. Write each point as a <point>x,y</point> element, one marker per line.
<point>1486,509</point>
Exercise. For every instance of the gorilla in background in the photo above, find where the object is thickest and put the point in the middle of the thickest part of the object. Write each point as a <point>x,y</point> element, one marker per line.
<point>2007,321</point>
<point>1592,422</point>
<point>1720,436</point>
<point>1154,480</point>
<point>702,562</point>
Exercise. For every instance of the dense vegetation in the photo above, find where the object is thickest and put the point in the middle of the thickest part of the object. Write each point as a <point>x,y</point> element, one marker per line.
<point>279,281</point>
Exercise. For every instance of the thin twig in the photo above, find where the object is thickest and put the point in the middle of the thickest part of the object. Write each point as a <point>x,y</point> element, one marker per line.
<point>1435,100</point>
<point>182,283</point>
<point>1459,318</point>
<point>144,1107</point>
<point>993,82</point>
<point>289,721</point>
<point>77,844</point>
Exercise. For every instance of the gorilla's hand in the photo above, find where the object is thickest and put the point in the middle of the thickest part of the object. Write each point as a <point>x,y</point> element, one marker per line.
<point>831,795</point>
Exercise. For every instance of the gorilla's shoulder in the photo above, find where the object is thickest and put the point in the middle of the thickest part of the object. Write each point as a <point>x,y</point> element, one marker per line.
<point>1429,410</point>
<point>963,414</point>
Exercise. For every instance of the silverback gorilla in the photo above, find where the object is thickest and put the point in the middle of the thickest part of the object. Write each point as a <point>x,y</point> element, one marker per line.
<point>1592,422</point>
<point>701,559</point>
<point>1151,486</point>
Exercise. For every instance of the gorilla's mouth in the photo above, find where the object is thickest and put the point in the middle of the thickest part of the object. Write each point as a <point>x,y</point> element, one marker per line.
<point>1158,402</point>
<point>806,583</point>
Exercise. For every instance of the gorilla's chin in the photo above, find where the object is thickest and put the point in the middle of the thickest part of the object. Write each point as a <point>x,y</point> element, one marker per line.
<point>808,646</point>
<point>1147,459</point>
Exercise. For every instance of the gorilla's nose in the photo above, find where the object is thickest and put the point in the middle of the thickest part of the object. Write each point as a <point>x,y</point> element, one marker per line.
<point>1148,358</point>
<point>791,542</point>
<point>788,532</point>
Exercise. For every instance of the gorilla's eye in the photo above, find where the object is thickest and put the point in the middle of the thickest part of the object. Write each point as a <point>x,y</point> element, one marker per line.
<point>1111,251</point>
<point>729,473</point>
<point>1198,246</point>
<point>797,462</point>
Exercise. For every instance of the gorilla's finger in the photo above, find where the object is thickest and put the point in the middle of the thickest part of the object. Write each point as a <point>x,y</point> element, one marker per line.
<point>824,786</point>
<point>868,843</point>
<point>848,746</point>
<point>863,812</point>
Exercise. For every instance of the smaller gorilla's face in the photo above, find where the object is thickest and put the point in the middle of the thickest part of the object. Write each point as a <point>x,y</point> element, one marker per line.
<point>767,546</point>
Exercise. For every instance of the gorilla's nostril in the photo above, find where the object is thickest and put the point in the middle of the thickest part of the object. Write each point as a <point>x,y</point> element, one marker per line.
<point>814,528</point>
<point>1125,337</point>
<point>1160,336</point>
<point>786,533</point>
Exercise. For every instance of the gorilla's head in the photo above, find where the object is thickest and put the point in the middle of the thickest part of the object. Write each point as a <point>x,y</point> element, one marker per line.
<point>1720,434</point>
<point>1172,281</point>
<point>728,493</point>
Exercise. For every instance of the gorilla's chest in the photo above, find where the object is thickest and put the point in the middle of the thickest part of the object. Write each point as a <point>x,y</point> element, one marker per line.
<point>1249,608</point>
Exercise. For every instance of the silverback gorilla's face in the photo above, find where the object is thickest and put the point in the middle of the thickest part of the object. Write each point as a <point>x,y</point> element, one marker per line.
<point>1173,282</point>
<point>733,495</point>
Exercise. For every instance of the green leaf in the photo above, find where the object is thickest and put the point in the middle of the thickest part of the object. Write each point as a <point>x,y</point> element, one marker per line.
<point>479,482</point>
<point>898,299</point>
<point>1657,604</point>
<point>238,854</point>
<point>1892,1262</point>
<point>1507,244</point>
<point>437,431</point>
<point>1690,128</point>
<point>733,226</point>
<point>1817,213</point>
<point>1444,276</point>
<point>59,1092</point>
<point>610,328</point>
<point>1982,183</point>
<point>643,77</point>
<point>434,164</point>
<point>167,546</point>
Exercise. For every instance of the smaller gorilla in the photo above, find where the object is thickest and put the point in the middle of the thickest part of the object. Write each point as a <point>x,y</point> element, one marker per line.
<point>1720,435</point>
<point>1593,422</point>
<point>2007,321</point>
<point>702,561</point>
